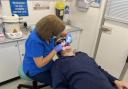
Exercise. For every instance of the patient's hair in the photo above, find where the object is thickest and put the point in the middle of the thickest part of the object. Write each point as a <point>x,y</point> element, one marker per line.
<point>49,26</point>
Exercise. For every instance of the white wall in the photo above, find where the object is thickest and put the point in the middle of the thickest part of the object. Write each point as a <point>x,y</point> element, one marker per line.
<point>89,21</point>
<point>34,15</point>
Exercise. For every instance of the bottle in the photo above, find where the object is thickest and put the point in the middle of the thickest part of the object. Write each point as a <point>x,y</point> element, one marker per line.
<point>59,8</point>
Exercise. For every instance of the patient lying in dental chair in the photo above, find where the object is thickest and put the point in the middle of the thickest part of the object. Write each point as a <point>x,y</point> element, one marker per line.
<point>79,71</point>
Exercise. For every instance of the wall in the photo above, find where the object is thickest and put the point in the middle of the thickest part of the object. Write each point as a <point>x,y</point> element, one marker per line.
<point>34,15</point>
<point>89,21</point>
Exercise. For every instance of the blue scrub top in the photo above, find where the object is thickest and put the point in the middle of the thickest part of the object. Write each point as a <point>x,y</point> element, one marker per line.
<point>36,47</point>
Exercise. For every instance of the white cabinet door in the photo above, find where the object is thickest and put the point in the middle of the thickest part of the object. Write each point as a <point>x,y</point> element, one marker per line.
<point>113,48</point>
<point>9,61</point>
<point>21,45</point>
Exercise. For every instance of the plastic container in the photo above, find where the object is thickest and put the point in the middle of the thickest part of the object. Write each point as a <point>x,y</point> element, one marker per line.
<point>12,26</point>
<point>59,7</point>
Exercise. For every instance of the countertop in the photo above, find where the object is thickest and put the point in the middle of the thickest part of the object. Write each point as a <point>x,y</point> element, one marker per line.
<point>8,40</point>
<point>69,28</point>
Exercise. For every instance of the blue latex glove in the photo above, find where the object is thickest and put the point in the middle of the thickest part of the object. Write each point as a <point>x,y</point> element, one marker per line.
<point>58,48</point>
<point>68,38</point>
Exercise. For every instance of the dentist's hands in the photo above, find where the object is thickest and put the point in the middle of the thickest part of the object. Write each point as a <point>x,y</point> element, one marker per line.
<point>58,48</point>
<point>61,47</point>
<point>67,36</point>
<point>68,41</point>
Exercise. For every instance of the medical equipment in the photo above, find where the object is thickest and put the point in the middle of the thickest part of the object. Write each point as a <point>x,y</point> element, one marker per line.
<point>60,40</point>
<point>82,5</point>
<point>59,7</point>
<point>96,3</point>
<point>12,27</point>
<point>67,11</point>
<point>68,38</point>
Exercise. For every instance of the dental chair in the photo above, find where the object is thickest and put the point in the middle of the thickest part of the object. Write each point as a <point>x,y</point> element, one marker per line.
<point>25,77</point>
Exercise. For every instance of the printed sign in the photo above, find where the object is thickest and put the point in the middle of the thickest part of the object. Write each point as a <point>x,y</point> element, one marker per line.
<point>19,7</point>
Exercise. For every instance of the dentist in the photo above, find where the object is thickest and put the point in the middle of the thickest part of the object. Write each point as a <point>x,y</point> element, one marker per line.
<point>40,48</point>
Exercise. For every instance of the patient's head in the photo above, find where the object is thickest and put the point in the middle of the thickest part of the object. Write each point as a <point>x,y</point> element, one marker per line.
<point>67,50</point>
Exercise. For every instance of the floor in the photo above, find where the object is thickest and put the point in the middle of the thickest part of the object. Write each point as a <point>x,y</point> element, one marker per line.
<point>13,85</point>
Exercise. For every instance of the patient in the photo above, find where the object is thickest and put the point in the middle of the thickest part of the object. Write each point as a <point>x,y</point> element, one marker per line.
<point>79,71</point>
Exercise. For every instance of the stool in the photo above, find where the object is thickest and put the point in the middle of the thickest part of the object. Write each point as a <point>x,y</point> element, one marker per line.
<point>25,77</point>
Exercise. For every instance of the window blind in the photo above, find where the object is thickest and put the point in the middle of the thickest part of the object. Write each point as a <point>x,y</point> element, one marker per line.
<point>117,10</point>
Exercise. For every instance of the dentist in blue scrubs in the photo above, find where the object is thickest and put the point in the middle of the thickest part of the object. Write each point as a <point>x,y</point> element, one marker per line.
<point>40,48</point>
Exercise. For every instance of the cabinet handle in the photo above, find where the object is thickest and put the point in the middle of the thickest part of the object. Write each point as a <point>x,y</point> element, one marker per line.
<point>106,28</point>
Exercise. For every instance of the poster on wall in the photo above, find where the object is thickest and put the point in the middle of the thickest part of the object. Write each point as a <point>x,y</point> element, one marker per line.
<point>19,7</point>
